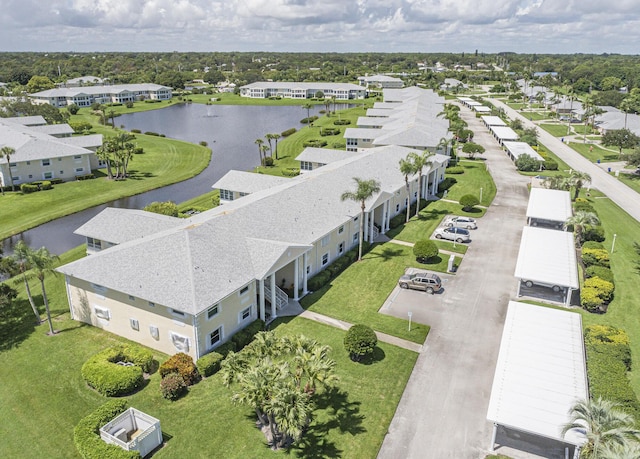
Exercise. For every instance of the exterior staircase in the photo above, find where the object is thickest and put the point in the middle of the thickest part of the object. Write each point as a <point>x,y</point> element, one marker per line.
<point>282,299</point>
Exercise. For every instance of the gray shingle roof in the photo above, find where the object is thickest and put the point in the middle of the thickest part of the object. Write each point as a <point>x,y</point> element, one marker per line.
<point>93,90</point>
<point>323,155</point>
<point>247,182</point>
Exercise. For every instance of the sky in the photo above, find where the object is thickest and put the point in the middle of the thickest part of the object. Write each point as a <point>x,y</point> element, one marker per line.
<point>523,26</point>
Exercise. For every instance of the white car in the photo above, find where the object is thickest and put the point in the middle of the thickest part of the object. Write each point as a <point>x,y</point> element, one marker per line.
<point>453,234</point>
<point>462,222</point>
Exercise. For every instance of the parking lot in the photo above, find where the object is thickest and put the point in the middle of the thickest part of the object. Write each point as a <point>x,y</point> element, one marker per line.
<point>442,232</point>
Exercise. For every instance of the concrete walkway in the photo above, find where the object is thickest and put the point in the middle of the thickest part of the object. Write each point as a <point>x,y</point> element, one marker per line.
<point>403,343</point>
<point>411,244</point>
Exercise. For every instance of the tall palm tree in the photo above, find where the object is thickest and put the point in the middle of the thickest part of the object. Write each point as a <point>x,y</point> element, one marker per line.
<point>271,137</point>
<point>6,152</point>
<point>308,106</point>
<point>604,426</point>
<point>557,182</point>
<point>42,262</point>
<point>259,143</point>
<point>21,255</point>
<point>420,161</point>
<point>364,190</point>
<point>577,179</point>
<point>407,168</point>
<point>628,450</point>
<point>626,106</point>
<point>579,221</point>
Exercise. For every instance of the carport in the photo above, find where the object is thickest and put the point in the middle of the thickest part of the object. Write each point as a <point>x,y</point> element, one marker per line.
<point>550,208</point>
<point>503,133</point>
<point>547,258</point>
<point>493,121</point>
<point>540,374</point>
<point>517,149</point>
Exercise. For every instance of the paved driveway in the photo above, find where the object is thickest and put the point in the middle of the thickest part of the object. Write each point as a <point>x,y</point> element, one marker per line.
<point>442,413</point>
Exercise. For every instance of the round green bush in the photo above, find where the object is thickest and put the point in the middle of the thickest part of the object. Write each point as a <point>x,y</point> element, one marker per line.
<point>209,364</point>
<point>468,202</point>
<point>268,161</point>
<point>86,434</point>
<point>455,170</point>
<point>315,143</point>
<point>601,272</point>
<point>592,245</point>
<point>117,370</point>
<point>341,122</point>
<point>182,364</point>
<point>590,300</point>
<point>172,386</point>
<point>425,250</point>
<point>360,342</point>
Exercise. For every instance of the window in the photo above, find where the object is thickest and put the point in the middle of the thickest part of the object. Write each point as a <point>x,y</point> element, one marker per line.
<point>47,175</point>
<point>341,229</point>
<point>242,194</point>
<point>77,157</point>
<point>325,259</point>
<point>132,298</point>
<point>134,324</point>
<point>30,176</point>
<point>46,162</point>
<point>155,333</point>
<point>355,237</point>
<point>215,337</point>
<point>15,178</point>
<point>226,195</point>
<point>213,311</point>
<point>245,314</point>
<point>59,159</point>
<point>13,164</point>
<point>306,165</point>
<point>102,313</point>
<point>244,290</point>
<point>180,342</point>
<point>326,240</point>
<point>341,248</point>
<point>309,269</point>
<point>95,244</point>
<point>175,312</point>
<point>152,304</point>
<point>79,169</point>
<point>397,207</point>
<point>61,172</point>
<point>355,219</point>
<point>28,163</point>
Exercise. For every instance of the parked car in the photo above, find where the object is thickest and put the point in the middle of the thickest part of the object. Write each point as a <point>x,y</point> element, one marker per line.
<point>429,282</point>
<point>462,222</point>
<point>453,234</point>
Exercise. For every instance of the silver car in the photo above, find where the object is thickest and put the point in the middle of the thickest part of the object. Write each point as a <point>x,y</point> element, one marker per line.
<point>462,222</point>
<point>429,282</point>
<point>453,234</point>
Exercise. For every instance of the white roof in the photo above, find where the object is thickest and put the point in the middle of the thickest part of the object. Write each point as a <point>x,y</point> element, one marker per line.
<point>504,132</point>
<point>481,108</point>
<point>540,372</point>
<point>547,256</point>
<point>97,90</point>
<point>323,155</point>
<point>493,121</point>
<point>518,149</point>
<point>548,204</point>
<point>248,182</point>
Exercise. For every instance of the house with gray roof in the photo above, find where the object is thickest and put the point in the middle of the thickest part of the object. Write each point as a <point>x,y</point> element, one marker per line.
<point>380,82</point>
<point>188,285</point>
<point>302,90</point>
<point>87,95</point>
<point>236,184</point>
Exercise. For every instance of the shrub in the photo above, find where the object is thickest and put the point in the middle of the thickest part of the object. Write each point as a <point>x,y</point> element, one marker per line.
<point>341,122</point>
<point>85,177</point>
<point>550,165</point>
<point>309,120</point>
<point>319,280</point>
<point>209,364</point>
<point>527,163</point>
<point>339,145</point>
<point>455,170</point>
<point>593,233</point>
<point>288,132</point>
<point>315,143</point>
<point>172,386</point>
<point>73,109</point>
<point>424,250</point>
<point>27,188</point>
<point>398,220</point>
<point>468,202</point>
<point>182,364</point>
<point>164,208</point>
<point>590,300</point>
<point>598,257</point>
<point>225,348</point>
<point>136,131</point>
<point>81,126</point>
<point>103,372</point>
<point>447,183</point>
<point>604,289</point>
<point>152,101</point>
<point>203,143</point>
<point>56,181</point>
<point>267,161</point>
<point>291,172</point>
<point>46,185</point>
<point>151,133</point>
<point>360,342</point>
<point>601,272</point>
<point>329,131</point>
<point>86,434</point>
<point>592,245</point>
<point>128,104</point>
<point>584,206</point>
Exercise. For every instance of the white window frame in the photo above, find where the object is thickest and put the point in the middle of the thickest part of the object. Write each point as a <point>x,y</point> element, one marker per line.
<point>102,312</point>
<point>46,162</point>
<point>177,313</point>
<point>306,165</point>
<point>325,240</point>
<point>135,325</point>
<point>210,311</point>
<point>341,229</point>
<point>356,236</point>
<point>99,288</point>
<point>248,311</point>
<point>244,290</point>
<point>155,332</point>
<point>341,248</point>
<point>220,331</point>
<point>132,298</point>
<point>226,195</point>
<point>324,262</point>
<point>47,175</point>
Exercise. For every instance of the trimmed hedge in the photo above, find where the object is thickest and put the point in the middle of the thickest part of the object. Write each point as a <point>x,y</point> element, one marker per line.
<point>85,177</point>
<point>341,122</point>
<point>592,245</point>
<point>455,170</point>
<point>182,364</point>
<point>288,132</point>
<point>329,131</point>
<point>309,120</point>
<point>468,202</point>
<point>243,337</point>
<point>209,364</point>
<point>104,374</point>
<point>315,143</point>
<point>291,172</point>
<point>593,233</point>
<point>319,280</point>
<point>599,257</point>
<point>360,342</point>
<point>424,250</point>
<point>225,348</point>
<point>608,360</point>
<point>603,288</point>
<point>86,434</point>
<point>550,165</point>
<point>601,272</point>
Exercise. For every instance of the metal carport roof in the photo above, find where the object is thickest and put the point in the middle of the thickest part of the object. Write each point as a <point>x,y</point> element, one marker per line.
<point>549,204</point>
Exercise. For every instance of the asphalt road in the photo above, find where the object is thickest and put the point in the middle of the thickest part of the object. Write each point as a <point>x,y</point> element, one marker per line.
<point>442,413</point>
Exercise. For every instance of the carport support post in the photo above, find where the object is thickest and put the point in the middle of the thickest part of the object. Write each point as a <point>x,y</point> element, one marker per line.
<point>493,437</point>
<point>409,314</point>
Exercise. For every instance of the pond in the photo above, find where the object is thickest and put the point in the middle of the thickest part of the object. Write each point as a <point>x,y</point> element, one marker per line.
<point>229,130</point>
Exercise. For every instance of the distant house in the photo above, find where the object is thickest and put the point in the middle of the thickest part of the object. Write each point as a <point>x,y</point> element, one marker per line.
<point>87,80</point>
<point>85,96</point>
<point>451,83</point>
<point>299,90</point>
<point>45,152</point>
<point>380,82</point>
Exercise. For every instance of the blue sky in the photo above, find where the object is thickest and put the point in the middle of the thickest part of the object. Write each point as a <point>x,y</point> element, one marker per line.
<point>542,26</point>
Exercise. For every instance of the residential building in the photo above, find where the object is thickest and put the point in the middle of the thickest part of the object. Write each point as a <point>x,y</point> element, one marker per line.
<point>380,82</point>
<point>87,95</point>
<point>41,156</point>
<point>299,90</point>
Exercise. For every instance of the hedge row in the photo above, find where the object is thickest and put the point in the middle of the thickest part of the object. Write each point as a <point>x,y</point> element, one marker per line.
<point>335,268</point>
<point>598,288</point>
<point>291,172</point>
<point>315,143</point>
<point>86,434</point>
<point>329,131</point>
<point>36,186</point>
<point>608,361</point>
<point>309,120</point>
<point>341,122</point>
<point>288,132</point>
<point>85,177</point>
<point>401,218</point>
<point>455,170</point>
<point>103,372</point>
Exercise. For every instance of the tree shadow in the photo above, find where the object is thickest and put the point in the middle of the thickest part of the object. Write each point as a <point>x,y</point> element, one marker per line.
<point>386,254</point>
<point>430,261</point>
<point>17,322</point>
<point>473,210</point>
<point>378,355</point>
<point>137,175</point>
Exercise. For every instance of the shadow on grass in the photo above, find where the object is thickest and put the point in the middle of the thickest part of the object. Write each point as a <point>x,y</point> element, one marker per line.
<point>378,355</point>
<point>17,322</point>
<point>386,254</point>
<point>474,210</point>
<point>431,261</point>
<point>137,175</point>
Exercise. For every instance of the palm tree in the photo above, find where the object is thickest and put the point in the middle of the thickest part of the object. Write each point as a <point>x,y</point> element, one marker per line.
<point>420,161</point>
<point>42,262</point>
<point>6,152</point>
<point>603,424</point>
<point>308,106</point>
<point>626,106</point>
<point>407,168</point>
<point>557,182</point>
<point>628,450</point>
<point>271,137</point>
<point>579,221</point>
<point>21,255</point>
<point>577,180</point>
<point>364,190</point>
<point>259,143</point>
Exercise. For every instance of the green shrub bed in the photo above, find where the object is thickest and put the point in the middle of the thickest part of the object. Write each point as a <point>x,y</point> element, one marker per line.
<point>341,122</point>
<point>291,172</point>
<point>608,361</point>
<point>329,131</point>
<point>103,372</point>
<point>86,435</point>
<point>316,143</point>
<point>209,364</point>
<point>182,364</point>
<point>455,170</point>
<point>288,132</point>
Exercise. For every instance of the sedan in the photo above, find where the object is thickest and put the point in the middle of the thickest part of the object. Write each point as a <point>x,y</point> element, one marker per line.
<point>453,234</point>
<point>462,222</point>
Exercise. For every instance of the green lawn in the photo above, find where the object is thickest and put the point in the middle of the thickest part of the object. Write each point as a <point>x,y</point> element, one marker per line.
<point>556,130</point>
<point>563,168</point>
<point>631,180</point>
<point>359,291</point>
<point>516,105</point>
<point>581,129</point>
<point>165,161</point>
<point>536,116</point>
<point>475,177</point>
<point>43,395</point>
<point>594,152</point>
